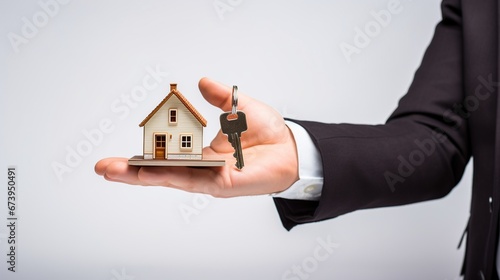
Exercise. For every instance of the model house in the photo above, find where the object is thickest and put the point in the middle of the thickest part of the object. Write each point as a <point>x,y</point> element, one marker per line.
<point>173,130</point>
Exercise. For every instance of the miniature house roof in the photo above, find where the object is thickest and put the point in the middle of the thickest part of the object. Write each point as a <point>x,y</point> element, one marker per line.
<point>189,106</point>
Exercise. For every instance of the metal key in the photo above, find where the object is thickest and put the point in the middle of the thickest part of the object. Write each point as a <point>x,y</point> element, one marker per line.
<point>233,124</point>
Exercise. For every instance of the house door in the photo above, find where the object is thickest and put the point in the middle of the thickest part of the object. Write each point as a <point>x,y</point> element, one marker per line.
<point>160,143</point>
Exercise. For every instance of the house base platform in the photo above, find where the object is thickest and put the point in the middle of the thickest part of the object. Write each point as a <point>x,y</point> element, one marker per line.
<point>140,161</point>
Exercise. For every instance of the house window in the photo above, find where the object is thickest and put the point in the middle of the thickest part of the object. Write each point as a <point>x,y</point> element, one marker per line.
<point>172,116</point>
<point>186,142</point>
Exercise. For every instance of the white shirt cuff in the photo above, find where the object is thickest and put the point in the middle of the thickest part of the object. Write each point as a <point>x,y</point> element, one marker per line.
<point>310,183</point>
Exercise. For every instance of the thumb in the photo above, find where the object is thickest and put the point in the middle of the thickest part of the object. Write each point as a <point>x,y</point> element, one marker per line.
<point>219,95</point>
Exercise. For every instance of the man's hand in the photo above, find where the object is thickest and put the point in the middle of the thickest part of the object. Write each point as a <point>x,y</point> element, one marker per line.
<point>268,147</point>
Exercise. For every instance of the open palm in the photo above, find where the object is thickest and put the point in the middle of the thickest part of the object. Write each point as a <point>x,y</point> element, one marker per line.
<point>268,148</point>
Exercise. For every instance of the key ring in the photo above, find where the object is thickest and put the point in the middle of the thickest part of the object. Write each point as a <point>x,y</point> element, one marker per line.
<point>234,96</point>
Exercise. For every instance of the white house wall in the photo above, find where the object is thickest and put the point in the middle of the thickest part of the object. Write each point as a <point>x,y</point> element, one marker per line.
<point>186,124</point>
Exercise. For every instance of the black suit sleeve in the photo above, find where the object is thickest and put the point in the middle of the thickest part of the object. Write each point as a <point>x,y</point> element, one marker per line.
<point>420,153</point>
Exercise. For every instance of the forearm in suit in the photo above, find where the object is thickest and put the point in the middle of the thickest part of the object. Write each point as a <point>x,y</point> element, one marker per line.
<point>419,154</point>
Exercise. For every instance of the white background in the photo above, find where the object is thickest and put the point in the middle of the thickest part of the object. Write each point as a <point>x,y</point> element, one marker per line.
<point>79,62</point>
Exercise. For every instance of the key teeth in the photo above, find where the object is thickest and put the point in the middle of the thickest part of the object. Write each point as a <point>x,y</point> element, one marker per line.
<point>238,166</point>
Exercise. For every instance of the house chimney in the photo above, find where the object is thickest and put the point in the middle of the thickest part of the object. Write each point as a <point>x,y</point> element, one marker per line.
<point>173,87</point>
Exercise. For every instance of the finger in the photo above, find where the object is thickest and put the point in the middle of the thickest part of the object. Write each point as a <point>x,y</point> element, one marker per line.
<point>100,166</point>
<point>118,170</point>
<point>220,144</point>
<point>219,95</point>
